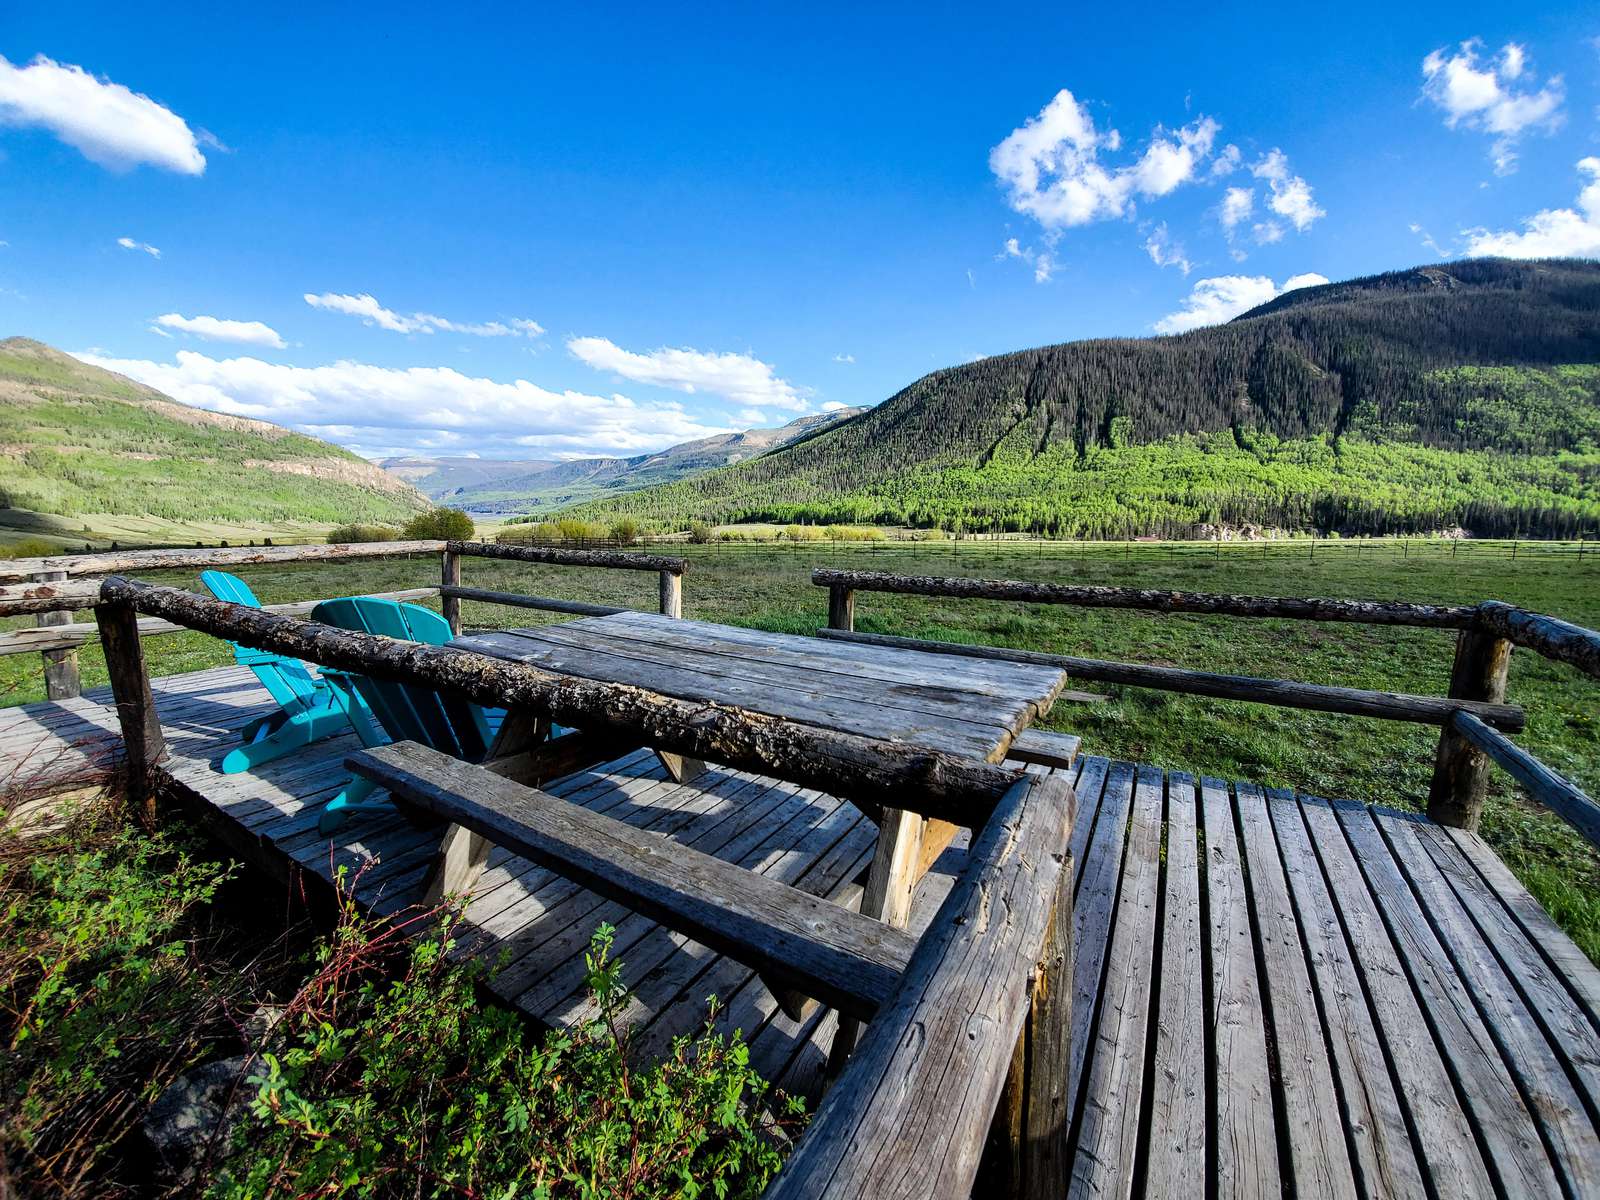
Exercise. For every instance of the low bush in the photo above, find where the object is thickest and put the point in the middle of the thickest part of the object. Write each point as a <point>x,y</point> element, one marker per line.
<point>30,548</point>
<point>398,1082</point>
<point>700,533</point>
<point>361,533</point>
<point>803,533</point>
<point>447,524</point>
<point>625,531</point>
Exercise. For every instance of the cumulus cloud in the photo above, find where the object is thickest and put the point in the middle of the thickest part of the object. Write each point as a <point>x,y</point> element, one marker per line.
<point>1042,261</point>
<point>127,243</point>
<point>105,122</point>
<point>838,358</point>
<point>214,329</point>
<point>1488,95</point>
<point>1289,195</point>
<point>1051,168</point>
<point>1552,232</point>
<point>740,378</point>
<point>416,409</point>
<point>834,406</point>
<point>1213,301</point>
<point>1164,251</point>
<point>371,312</point>
<point>1237,205</point>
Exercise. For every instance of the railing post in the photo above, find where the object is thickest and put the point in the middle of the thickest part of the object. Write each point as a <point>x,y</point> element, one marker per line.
<point>671,594</point>
<point>136,707</point>
<point>61,680</point>
<point>450,576</point>
<point>1460,769</point>
<point>841,608</point>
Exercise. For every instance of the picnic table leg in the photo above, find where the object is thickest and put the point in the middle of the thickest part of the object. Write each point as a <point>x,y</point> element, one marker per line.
<point>896,867</point>
<point>681,768</point>
<point>462,853</point>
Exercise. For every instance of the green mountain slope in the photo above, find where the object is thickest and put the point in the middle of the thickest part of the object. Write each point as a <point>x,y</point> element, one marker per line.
<point>77,442</point>
<point>1466,394</point>
<point>493,486</point>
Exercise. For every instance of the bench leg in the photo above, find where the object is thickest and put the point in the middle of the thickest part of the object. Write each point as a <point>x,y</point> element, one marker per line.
<point>680,768</point>
<point>896,867</point>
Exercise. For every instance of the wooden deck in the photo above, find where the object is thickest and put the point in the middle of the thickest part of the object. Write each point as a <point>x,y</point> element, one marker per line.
<point>1273,994</point>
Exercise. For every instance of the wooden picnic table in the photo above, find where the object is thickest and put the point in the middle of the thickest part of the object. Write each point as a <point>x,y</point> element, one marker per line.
<point>968,707</point>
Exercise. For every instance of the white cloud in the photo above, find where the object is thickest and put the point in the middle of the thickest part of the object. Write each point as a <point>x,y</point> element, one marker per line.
<point>834,406</point>
<point>105,122</point>
<point>1552,232</point>
<point>1050,166</point>
<point>1166,252</point>
<point>417,409</point>
<point>741,378</point>
<point>214,329</point>
<point>1042,261</point>
<point>127,243</point>
<point>1213,301</point>
<point>372,313</point>
<point>1477,93</point>
<point>838,358</point>
<point>1290,195</point>
<point>750,418</point>
<point>1237,205</point>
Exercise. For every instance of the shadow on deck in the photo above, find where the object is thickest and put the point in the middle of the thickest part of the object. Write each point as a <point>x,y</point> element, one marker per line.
<point>1273,993</point>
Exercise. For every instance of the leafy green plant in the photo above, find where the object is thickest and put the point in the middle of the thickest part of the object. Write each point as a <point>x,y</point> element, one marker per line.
<point>106,990</point>
<point>391,1082</point>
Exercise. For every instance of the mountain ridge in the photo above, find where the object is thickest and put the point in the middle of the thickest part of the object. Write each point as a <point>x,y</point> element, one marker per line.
<point>1469,381</point>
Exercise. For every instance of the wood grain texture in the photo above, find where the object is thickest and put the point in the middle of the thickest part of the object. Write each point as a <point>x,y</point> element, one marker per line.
<point>1370,612</point>
<point>846,960</point>
<point>517,600</point>
<point>908,1116</point>
<point>61,680</point>
<point>143,745</point>
<point>1460,780</point>
<point>1556,792</point>
<point>228,556</point>
<point>1556,639</point>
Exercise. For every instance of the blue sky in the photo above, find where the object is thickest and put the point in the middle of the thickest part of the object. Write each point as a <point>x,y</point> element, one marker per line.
<point>543,232</point>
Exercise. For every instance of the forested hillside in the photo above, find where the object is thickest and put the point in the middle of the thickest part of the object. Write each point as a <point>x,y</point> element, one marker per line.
<point>81,442</point>
<point>1466,394</point>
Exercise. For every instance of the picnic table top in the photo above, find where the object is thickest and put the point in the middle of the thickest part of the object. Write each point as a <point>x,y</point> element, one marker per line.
<point>964,706</point>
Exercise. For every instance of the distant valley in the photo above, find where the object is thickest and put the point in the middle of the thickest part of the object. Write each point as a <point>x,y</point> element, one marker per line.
<point>505,486</point>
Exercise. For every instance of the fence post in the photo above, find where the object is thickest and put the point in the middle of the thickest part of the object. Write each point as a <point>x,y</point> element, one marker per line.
<point>1461,770</point>
<point>143,744</point>
<point>841,608</point>
<point>671,594</point>
<point>450,576</point>
<point>61,681</point>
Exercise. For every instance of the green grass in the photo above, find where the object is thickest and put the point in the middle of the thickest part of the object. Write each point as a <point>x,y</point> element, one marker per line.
<point>1345,757</point>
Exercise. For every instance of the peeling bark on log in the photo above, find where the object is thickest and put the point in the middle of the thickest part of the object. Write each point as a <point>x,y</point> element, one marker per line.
<point>953,789</point>
<point>1371,612</point>
<point>572,558</point>
<point>1558,640</point>
<point>18,599</point>
<point>156,560</point>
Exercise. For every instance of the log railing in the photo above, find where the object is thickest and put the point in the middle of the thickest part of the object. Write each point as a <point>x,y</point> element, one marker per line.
<point>1473,718</point>
<point>51,589</point>
<point>978,998</point>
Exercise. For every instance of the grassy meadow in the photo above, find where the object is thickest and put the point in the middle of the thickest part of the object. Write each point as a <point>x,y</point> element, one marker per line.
<point>768,586</point>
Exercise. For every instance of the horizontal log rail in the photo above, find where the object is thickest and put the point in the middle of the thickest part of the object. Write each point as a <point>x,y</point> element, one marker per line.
<point>840,957</point>
<point>1557,793</point>
<point>112,562</point>
<point>619,559</point>
<point>1371,612</point>
<point>518,600</point>
<point>932,783</point>
<point>1557,640</point>
<point>1393,706</point>
<point>71,637</point>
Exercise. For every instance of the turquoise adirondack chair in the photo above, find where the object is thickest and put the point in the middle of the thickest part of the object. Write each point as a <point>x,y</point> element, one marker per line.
<point>403,711</point>
<point>308,707</point>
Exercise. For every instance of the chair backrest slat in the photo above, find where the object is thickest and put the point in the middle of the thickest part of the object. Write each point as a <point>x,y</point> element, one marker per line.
<point>287,680</point>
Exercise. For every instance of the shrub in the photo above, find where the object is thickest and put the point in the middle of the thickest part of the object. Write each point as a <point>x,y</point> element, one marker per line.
<point>408,1086</point>
<point>361,533</point>
<point>446,524</point>
<point>803,533</point>
<point>571,529</point>
<point>30,548</point>
<point>700,533</point>
<point>625,531</point>
<point>107,990</point>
